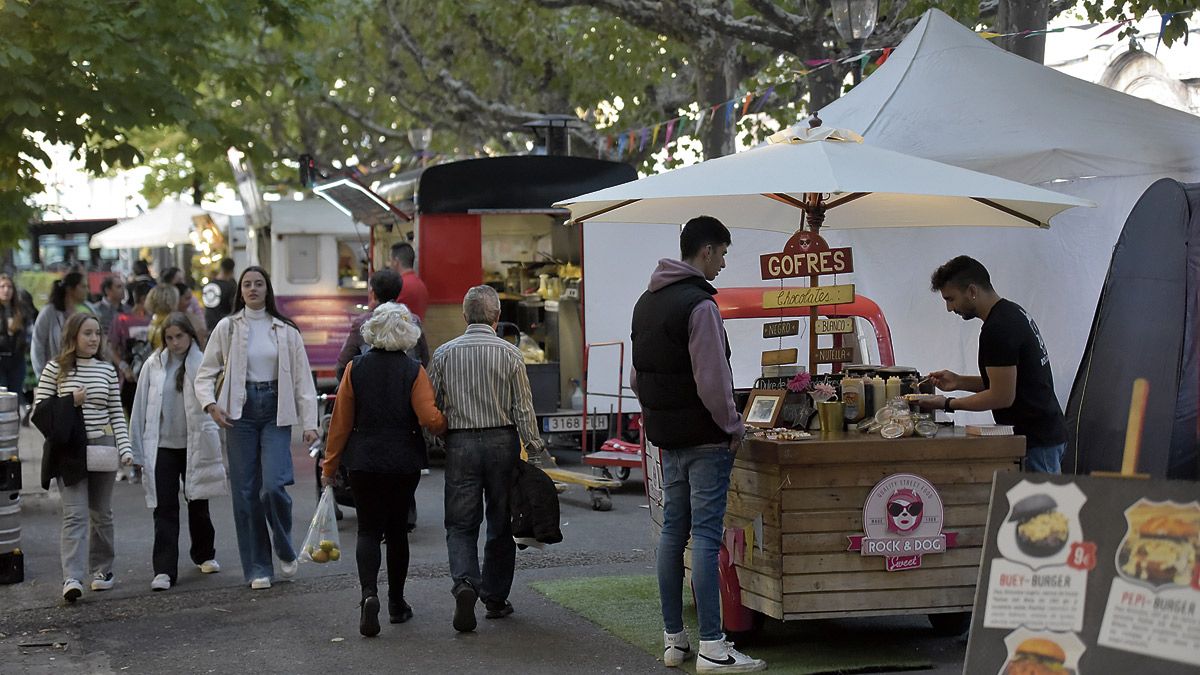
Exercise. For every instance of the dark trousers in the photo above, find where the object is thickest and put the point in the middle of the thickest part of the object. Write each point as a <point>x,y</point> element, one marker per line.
<point>168,474</point>
<point>381,501</point>
<point>12,372</point>
<point>479,469</point>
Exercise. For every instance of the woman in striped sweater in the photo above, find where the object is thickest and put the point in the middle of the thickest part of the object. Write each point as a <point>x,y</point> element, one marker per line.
<point>87,505</point>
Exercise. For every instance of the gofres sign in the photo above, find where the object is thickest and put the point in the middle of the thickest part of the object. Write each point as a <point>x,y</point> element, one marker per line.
<point>902,518</point>
<point>806,254</point>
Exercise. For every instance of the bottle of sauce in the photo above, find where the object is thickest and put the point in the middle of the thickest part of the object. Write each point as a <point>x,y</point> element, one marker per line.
<point>878,392</point>
<point>853,396</point>
<point>892,388</point>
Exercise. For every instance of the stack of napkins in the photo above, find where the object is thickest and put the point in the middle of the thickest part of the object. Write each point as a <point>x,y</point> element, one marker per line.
<point>989,429</point>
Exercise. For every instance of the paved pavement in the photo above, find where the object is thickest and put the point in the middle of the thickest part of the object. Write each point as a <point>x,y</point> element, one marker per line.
<point>215,624</point>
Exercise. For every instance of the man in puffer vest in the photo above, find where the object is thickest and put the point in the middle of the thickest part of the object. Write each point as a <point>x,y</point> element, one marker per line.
<point>684,383</point>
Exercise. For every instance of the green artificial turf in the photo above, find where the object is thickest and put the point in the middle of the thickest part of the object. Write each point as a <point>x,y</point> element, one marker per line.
<point>627,607</point>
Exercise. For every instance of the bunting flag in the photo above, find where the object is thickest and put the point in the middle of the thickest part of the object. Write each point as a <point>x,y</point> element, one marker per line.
<point>729,112</point>
<point>645,134</point>
<point>746,103</point>
<point>699,122</point>
<point>654,138</point>
<point>670,133</point>
<point>1115,28</point>
<point>621,140</point>
<point>887,51</point>
<point>762,100</point>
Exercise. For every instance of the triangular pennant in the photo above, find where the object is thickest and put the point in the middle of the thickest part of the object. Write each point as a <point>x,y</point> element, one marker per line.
<point>654,139</point>
<point>746,103</point>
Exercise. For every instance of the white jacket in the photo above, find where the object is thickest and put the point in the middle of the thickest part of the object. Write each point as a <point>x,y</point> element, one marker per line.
<point>226,351</point>
<point>205,471</point>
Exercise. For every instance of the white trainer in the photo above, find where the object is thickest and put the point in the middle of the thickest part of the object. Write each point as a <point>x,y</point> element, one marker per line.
<point>72,589</point>
<point>676,648</point>
<point>102,582</point>
<point>288,569</point>
<point>261,583</point>
<point>719,656</point>
<point>161,582</point>
<point>209,567</point>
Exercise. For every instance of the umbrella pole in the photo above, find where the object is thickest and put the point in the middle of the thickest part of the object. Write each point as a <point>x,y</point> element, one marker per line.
<point>814,215</point>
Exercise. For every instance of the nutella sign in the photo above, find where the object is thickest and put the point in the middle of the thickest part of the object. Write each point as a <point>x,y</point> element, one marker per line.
<point>902,519</point>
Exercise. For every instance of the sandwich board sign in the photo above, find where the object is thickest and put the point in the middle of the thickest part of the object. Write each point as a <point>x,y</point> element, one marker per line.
<point>1088,575</point>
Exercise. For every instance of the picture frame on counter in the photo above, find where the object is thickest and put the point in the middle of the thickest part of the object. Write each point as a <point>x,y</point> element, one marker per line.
<point>763,407</point>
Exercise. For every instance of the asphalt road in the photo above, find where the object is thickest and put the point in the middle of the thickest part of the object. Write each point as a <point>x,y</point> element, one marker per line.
<point>215,624</point>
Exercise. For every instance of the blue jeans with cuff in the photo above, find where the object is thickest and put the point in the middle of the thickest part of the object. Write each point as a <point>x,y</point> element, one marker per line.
<point>260,468</point>
<point>1045,459</point>
<point>695,486</point>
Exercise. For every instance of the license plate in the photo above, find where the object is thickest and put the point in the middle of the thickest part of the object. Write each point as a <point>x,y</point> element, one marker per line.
<point>574,423</point>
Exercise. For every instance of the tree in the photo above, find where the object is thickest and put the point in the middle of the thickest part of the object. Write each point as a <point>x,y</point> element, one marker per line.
<point>91,74</point>
<point>1176,15</point>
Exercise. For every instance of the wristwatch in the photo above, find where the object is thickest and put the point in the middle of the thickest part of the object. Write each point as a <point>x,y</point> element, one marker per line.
<point>946,406</point>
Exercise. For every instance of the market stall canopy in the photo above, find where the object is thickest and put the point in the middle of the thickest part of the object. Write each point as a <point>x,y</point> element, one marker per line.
<point>168,224</point>
<point>867,187</point>
<point>949,95</point>
<point>311,216</point>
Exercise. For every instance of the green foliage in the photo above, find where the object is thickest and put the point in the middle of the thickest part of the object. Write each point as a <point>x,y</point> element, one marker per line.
<point>1131,10</point>
<point>91,74</point>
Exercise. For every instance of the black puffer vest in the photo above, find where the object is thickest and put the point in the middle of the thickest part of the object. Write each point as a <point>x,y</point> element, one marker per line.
<point>387,435</point>
<point>672,412</point>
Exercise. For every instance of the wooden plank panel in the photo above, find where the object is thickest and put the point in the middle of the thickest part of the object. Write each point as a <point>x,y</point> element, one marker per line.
<point>852,561</point>
<point>761,584</point>
<point>748,506</point>
<point>903,450</point>
<point>936,577</point>
<point>871,612</point>
<point>920,598</point>
<point>847,520</point>
<point>755,483</point>
<point>769,468</point>
<point>772,608</point>
<point>870,474</point>
<point>837,542</point>
<point>824,499</point>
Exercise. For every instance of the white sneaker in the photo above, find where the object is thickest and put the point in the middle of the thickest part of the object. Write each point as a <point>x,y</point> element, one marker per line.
<point>161,582</point>
<point>102,582</point>
<point>209,567</point>
<point>260,583</point>
<point>719,656</point>
<point>287,570</point>
<point>676,648</point>
<point>72,589</point>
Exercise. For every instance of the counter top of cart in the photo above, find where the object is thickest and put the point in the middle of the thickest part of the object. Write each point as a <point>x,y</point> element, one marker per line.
<point>852,447</point>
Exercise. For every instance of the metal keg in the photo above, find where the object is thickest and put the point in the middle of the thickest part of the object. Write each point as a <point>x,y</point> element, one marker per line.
<point>10,522</point>
<point>10,425</point>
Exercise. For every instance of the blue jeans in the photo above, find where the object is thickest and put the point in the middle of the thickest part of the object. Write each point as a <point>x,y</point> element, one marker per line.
<point>479,469</point>
<point>695,484</point>
<point>260,466</point>
<point>1045,459</point>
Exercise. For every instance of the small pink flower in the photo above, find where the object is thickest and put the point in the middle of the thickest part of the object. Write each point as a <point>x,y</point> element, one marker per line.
<point>799,382</point>
<point>823,391</point>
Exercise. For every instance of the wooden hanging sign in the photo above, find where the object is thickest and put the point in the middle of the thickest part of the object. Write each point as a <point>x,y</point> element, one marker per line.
<point>835,355</point>
<point>808,297</point>
<point>780,357</point>
<point>806,254</point>
<point>781,329</point>
<point>834,326</point>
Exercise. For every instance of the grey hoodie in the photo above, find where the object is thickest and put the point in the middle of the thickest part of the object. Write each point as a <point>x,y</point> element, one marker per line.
<point>706,345</point>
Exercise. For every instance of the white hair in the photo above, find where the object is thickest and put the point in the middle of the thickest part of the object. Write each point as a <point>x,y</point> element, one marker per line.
<point>481,304</point>
<point>391,328</point>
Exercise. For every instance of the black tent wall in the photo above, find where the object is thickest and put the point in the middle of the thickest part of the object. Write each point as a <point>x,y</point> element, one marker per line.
<point>1144,327</point>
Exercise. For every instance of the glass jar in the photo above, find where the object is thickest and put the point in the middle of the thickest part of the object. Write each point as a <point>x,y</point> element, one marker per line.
<point>924,425</point>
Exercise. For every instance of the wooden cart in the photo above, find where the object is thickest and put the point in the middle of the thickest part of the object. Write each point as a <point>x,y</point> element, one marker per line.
<point>811,494</point>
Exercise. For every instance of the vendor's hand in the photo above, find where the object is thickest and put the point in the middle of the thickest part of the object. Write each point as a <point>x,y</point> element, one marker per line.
<point>932,402</point>
<point>219,416</point>
<point>79,395</point>
<point>946,380</point>
<point>310,436</point>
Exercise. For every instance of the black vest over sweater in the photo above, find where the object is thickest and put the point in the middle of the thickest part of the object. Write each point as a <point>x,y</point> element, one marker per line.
<point>672,413</point>
<point>387,434</point>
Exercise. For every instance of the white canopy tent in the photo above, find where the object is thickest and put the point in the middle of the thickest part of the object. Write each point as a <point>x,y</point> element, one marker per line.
<point>168,224</point>
<point>947,94</point>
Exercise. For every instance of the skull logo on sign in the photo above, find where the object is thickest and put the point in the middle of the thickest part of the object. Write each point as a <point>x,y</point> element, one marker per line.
<point>904,509</point>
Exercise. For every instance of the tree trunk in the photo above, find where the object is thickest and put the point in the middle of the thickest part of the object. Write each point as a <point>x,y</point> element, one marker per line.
<point>715,84</point>
<point>824,87</point>
<point>1019,15</point>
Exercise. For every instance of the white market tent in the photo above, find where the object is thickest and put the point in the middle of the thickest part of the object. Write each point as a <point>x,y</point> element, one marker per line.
<point>168,224</point>
<point>947,94</point>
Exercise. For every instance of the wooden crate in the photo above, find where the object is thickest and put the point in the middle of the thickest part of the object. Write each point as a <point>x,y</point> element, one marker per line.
<point>810,495</point>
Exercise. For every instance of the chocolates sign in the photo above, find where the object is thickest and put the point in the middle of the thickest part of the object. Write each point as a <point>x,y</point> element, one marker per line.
<point>902,519</point>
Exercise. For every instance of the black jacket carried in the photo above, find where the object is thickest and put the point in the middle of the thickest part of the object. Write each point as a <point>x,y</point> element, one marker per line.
<point>533,505</point>
<point>64,454</point>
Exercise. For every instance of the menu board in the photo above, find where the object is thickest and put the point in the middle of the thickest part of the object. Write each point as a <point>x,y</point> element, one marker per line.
<point>1088,575</point>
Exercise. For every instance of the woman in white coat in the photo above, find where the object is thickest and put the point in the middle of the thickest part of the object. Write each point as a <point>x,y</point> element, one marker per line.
<point>174,440</point>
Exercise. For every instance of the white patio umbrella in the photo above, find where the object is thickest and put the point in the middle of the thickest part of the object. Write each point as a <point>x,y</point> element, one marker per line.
<point>823,171</point>
<point>168,224</point>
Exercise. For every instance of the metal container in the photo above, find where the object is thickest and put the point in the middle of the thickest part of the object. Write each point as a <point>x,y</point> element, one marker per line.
<point>9,401</point>
<point>10,426</point>
<point>10,522</point>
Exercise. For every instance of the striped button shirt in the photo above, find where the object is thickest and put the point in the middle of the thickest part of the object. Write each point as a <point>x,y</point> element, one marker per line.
<point>102,404</point>
<point>480,382</point>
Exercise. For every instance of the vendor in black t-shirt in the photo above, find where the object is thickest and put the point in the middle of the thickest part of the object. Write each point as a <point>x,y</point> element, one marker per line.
<point>1015,381</point>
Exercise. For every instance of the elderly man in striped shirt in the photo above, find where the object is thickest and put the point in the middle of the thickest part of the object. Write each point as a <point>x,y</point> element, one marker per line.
<point>483,390</point>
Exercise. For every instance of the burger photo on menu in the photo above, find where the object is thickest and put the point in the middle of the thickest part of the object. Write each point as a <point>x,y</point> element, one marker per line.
<point>1038,656</point>
<point>1160,544</point>
<point>1042,520</point>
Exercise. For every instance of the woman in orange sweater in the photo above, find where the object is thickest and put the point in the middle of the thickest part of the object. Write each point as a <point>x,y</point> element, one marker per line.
<point>383,401</point>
